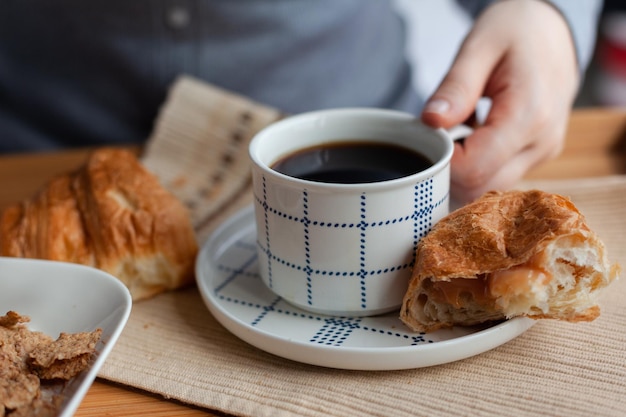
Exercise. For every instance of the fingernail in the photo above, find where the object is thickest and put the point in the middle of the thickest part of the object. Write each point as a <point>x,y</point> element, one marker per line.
<point>437,105</point>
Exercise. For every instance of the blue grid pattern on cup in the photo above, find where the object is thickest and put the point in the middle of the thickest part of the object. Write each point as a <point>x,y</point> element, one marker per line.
<point>238,283</point>
<point>421,218</point>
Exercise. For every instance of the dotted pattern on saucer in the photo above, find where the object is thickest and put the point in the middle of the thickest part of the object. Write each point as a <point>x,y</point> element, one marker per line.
<point>239,287</point>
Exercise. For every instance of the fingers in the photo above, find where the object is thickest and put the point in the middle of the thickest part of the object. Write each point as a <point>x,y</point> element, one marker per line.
<point>500,152</point>
<point>510,143</point>
<point>503,179</point>
<point>456,97</point>
<point>493,144</point>
<point>518,134</point>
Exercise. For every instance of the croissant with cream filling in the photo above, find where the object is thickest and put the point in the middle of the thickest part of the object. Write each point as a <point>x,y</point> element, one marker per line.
<point>507,254</point>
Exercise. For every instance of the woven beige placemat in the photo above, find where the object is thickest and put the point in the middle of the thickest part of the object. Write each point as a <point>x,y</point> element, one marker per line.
<point>174,347</point>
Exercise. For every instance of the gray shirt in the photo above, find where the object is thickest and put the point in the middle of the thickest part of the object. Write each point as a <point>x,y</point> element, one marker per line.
<point>82,73</point>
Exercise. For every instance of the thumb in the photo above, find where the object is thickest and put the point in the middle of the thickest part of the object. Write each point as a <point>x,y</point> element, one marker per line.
<point>455,99</point>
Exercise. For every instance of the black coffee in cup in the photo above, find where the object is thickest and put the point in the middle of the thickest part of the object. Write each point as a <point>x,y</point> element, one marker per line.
<point>352,162</point>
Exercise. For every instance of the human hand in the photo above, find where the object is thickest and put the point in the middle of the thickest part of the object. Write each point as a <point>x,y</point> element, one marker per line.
<point>521,55</point>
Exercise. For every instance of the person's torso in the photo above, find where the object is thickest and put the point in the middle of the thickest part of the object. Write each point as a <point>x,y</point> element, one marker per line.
<point>94,72</point>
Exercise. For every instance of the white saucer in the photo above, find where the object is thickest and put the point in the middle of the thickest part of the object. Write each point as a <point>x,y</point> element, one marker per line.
<point>226,272</point>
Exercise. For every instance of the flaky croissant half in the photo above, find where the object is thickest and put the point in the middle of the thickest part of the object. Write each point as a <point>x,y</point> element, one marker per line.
<point>507,254</point>
<point>111,214</point>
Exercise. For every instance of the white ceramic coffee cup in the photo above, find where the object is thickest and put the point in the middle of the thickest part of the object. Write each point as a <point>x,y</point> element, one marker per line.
<point>345,249</point>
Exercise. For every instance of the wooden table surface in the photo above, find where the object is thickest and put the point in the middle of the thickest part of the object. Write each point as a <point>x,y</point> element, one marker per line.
<point>596,146</point>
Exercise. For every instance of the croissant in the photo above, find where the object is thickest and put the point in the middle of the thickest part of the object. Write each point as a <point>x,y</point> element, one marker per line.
<point>507,254</point>
<point>111,214</point>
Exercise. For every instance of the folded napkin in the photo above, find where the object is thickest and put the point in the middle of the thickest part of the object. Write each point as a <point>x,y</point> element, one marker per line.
<point>173,346</point>
<point>199,149</point>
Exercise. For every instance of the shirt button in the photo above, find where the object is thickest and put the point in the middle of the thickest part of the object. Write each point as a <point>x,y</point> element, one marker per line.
<point>178,17</point>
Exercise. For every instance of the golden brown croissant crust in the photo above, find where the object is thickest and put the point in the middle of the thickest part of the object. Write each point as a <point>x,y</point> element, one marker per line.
<point>508,254</point>
<point>111,214</point>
